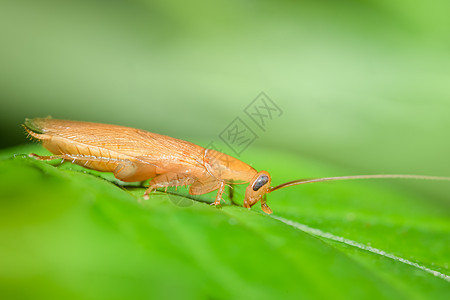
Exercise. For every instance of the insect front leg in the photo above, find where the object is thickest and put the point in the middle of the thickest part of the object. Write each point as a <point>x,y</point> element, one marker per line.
<point>166,180</point>
<point>219,193</point>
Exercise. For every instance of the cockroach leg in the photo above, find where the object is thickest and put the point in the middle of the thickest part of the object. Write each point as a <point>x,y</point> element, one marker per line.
<point>231,194</point>
<point>264,205</point>
<point>147,192</point>
<point>63,157</point>
<point>219,193</point>
<point>40,157</point>
<point>166,180</point>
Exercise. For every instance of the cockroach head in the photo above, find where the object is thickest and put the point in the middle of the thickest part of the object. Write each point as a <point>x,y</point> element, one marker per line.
<point>258,187</point>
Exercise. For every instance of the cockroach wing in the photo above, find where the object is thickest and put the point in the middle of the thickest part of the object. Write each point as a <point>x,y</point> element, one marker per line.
<point>166,153</point>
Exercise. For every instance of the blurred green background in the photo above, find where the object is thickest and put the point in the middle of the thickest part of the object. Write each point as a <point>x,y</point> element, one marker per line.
<point>364,87</point>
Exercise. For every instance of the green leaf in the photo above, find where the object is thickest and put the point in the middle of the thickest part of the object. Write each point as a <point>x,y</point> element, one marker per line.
<point>67,232</point>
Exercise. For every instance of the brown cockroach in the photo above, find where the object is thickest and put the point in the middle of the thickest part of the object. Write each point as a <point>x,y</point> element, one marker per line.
<point>137,155</point>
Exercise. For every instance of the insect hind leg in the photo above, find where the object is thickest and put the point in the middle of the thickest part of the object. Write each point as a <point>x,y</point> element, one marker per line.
<point>41,157</point>
<point>166,180</point>
<point>49,157</point>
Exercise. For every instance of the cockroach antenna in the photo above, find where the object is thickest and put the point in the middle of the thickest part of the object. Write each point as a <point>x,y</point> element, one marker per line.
<point>378,176</point>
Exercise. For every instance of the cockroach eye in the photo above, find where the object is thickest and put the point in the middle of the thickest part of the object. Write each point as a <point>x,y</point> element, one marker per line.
<point>262,180</point>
